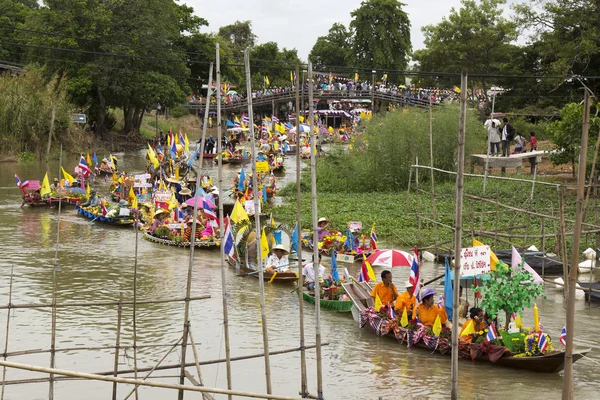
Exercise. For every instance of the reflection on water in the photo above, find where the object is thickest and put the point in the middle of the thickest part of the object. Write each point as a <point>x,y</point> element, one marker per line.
<point>96,264</point>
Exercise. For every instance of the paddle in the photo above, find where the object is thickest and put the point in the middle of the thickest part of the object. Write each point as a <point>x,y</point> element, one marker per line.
<point>95,218</point>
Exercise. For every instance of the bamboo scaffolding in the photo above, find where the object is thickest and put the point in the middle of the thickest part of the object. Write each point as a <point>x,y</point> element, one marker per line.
<point>10,285</point>
<point>134,319</point>
<point>144,383</point>
<point>71,349</point>
<point>520,236</point>
<point>221,229</point>
<point>259,255</point>
<point>205,396</point>
<point>117,343</point>
<point>104,303</point>
<point>418,205</point>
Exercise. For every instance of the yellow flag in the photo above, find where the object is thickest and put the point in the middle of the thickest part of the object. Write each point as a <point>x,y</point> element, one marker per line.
<point>264,245</point>
<point>518,321</point>
<point>404,319</point>
<point>45,188</point>
<point>133,199</point>
<point>437,326</point>
<point>87,190</point>
<point>301,118</point>
<point>239,214</point>
<point>115,177</point>
<point>187,142</point>
<point>67,176</point>
<point>456,89</point>
<point>177,172</point>
<point>467,329</point>
<point>89,160</point>
<point>369,269</point>
<point>275,146</point>
<point>378,303</point>
<point>173,203</point>
<point>493,257</point>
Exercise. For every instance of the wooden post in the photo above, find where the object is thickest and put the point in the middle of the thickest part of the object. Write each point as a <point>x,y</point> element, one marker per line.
<point>303,378</point>
<point>7,330</point>
<point>568,391</point>
<point>117,344</point>
<point>433,210</point>
<point>487,158</point>
<point>543,249</point>
<point>134,308</point>
<point>50,136</point>
<point>563,238</point>
<point>408,189</point>
<point>259,256</point>
<point>313,178</point>
<point>372,93</point>
<point>418,205</point>
<point>458,231</point>
<point>596,209</point>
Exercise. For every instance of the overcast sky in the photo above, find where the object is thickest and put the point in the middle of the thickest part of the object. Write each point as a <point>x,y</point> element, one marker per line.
<point>298,23</point>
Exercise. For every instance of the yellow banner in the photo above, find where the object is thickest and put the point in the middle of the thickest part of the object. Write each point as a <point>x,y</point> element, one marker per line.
<point>262,166</point>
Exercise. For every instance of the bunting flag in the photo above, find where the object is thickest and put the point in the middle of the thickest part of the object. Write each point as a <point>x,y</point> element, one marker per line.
<point>437,326</point>
<point>378,303</point>
<point>66,175</point>
<point>239,213</point>
<point>45,188</point>
<point>228,241</point>
<point>264,245</point>
<point>373,238</point>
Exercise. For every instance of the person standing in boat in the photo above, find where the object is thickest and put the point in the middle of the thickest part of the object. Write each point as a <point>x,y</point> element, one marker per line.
<point>427,312</point>
<point>385,290</point>
<point>322,228</point>
<point>278,260</point>
<point>406,300</point>
<point>309,274</point>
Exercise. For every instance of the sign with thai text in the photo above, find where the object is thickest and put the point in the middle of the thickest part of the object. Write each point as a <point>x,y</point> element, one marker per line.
<point>475,260</point>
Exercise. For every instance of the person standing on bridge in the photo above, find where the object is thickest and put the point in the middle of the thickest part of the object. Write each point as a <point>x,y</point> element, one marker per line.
<point>508,134</point>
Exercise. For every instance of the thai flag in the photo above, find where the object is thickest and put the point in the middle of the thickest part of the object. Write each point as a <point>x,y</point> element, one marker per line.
<point>418,321</point>
<point>373,238</point>
<point>274,119</point>
<point>104,210</point>
<point>441,301</point>
<point>237,124</point>
<point>414,273</point>
<point>492,334</point>
<point>228,242</point>
<point>84,168</point>
<point>391,313</point>
<point>264,129</point>
<point>292,117</point>
<point>21,184</point>
<point>207,210</point>
<point>542,342</point>
<point>245,120</point>
<point>181,138</point>
<point>563,336</point>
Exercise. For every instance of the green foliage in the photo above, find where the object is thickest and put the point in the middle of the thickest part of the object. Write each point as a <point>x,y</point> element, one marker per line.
<point>239,35</point>
<point>14,14</point>
<point>381,30</point>
<point>178,111</point>
<point>26,157</point>
<point>525,127</point>
<point>264,61</point>
<point>333,49</point>
<point>510,290</point>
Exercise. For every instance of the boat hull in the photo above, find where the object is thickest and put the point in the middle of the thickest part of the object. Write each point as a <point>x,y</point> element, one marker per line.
<point>167,242</point>
<point>267,276</point>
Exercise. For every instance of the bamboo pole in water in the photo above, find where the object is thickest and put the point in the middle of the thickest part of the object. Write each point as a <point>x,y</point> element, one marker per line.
<point>563,237</point>
<point>458,231</point>
<point>303,378</point>
<point>259,255</point>
<point>433,210</point>
<point>568,391</point>
<point>205,396</point>
<point>7,330</point>
<point>313,177</point>
<point>134,304</point>
<point>55,267</point>
<point>117,343</point>
<point>221,230</point>
<point>188,288</point>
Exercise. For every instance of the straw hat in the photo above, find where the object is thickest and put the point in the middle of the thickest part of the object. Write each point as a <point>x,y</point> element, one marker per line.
<point>159,212</point>
<point>55,179</point>
<point>322,220</point>
<point>104,160</point>
<point>185,192</point>
<point>147,205</point>
<point>184,205</point>
<point>408,284</point>
<point>172,179</point>
<point>214,191</point>
<point>280,247</point>
<point>191,179</point>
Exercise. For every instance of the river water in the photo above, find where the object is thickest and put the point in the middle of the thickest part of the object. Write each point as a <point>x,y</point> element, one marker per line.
<point>96,264</point>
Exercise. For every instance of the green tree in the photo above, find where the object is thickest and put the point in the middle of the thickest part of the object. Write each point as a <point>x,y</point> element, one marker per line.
<point>267,60</point>
<point>475,37</point>
<point>332,49</point>
<point>13,15</point>
<point>239,35</point>
<point>381,35</point>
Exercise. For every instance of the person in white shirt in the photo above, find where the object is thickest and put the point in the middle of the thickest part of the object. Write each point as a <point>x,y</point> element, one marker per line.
<point>278,260</point>
<point>309,274</point>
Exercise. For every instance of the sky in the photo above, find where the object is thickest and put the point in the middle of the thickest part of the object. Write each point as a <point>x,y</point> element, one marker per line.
<point>298,23</point>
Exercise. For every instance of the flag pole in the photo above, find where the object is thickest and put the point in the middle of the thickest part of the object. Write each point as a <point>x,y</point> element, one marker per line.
<point>457,245</point>
<point>259,262</point>
<point>222,226</point>
<point>568,393</point>
<point>303,379</point>
<point>316,264</point>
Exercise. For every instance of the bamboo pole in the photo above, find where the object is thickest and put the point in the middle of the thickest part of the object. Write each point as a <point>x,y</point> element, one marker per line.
<point>418,205</point>
<point>52,117</point>
<point>316,264</point>
<point>205,396</point>
<point>433,210</point>
<point>592,174</point>
<point>410,170</point>
<point>485,168</point>
<point>526,236</point>
<point>303,377</point>
<point>7,330</point>
<point>117,343</point>
<point>135,262</point>
<point>221,232</point>
<point>143,383</point>
<point>55,267</point>
<point>563,237</point>
<point>459,201</point>
<point>259,255</point>
<point>568,391</point>
<point>188,288</point>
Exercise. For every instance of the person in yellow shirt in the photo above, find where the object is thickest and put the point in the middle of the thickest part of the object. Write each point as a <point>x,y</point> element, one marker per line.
<point>385,289</point>
<point>477,319</point>
<point>406,300</point>
<point>427,312</point>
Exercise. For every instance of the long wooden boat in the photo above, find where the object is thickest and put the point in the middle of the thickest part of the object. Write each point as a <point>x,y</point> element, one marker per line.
<point>197,243</point>
<point>49,201</point>
<point>206,155</point>
<point>235,161</point>
<point>102,172</point>
<point>359,293</point>
<point>245,269</point>
<point>119,221</point>
<point>331,305</point>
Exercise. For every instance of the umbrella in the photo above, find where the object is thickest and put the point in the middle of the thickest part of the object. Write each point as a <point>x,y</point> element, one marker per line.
<point>232,92</point>
<point>390,258</point>
<point>77,190</point>
<point>303,128</point>
<point>191,202</point>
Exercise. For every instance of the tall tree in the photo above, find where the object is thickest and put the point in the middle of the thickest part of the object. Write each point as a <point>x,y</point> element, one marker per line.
<point>381,35</point>
<point>266,60</point>
<point>239,35</point>
<point>332,49</point>
<point>475,37</point>
<point>13,15</point>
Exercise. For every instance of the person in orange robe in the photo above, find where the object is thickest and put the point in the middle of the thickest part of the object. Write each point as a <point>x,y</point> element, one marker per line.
<point>406,300</point>
<point>385,289</point>
<point>427,312</point>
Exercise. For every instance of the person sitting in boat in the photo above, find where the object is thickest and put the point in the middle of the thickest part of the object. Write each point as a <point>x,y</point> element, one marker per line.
<point>278,260</point>
<point>184,194</point>
<point>308,272</point>
<point>93,201</point>
<point>186,211</point>
<point>322,228</point>
<point>160,217</point>
<point>385,290</point>
<point>146,214</point>
<point>261,156</point>
<point>55,187</point>
<point>105,167</point>
<point>187,233</point>
<point>477,320</point>
<point>406,301</point>
<point>427,312</point>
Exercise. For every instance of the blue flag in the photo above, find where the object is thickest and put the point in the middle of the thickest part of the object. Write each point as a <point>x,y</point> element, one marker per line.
<point>349,240</point>
<point>277,236</point>
<point>242,179</point>
<point>334,271</point>
<point>264,196</point>
<point>448,292</point>
<point>294,240</point>
<point>193,157</point>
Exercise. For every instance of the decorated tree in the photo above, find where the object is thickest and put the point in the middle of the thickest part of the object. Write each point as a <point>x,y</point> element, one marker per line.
<point>509,289</point>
